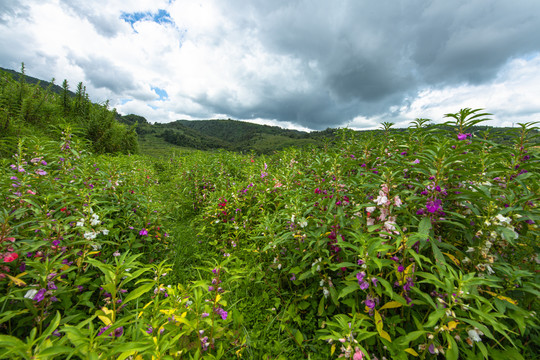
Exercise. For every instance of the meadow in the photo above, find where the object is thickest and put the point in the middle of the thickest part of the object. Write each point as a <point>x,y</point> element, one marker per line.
<point>418,244</point>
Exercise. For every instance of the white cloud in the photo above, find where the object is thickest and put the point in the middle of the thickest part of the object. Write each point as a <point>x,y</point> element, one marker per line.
<point>304,65</point>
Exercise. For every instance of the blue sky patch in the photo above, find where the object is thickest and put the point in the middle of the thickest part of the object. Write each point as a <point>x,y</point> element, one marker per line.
<point>161,93</point>
<point>161,17</point>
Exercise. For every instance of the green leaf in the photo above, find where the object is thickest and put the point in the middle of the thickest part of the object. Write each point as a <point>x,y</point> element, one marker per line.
<point>347,290</point>
<point>452,353</point>
<point>434,317</point>
<point>299,337</point>
<point>55,350</point>
<point>138,292</point>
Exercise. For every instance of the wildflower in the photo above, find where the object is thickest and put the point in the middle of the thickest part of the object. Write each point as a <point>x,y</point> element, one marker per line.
<point>90,235</point>
<point>474,335</point>
<point>40,295</point>
<point>118,331</point>
<point>205,314</point>
<point>143,232</point>
<point>95,220</point>
<point>381,199</point>
<point>433,205</point>
<point>41,172</point>
<point>400,268</point>
<point>360,276</point>
<point>80,223</point>
<point>11,257</point>
<point>30,294</point>
<point>397,201</point>
<point>103,329</point>
<point>326,292</point>
<point>358,354</point>
<point>221,312</point>
<point>364,285</point>
<point>416,161</point>
<point>105,232</point>
<point>293,277</point>
<point>370,303</point>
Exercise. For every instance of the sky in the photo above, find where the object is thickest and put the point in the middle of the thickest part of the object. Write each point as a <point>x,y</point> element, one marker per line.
<point>305,65</point>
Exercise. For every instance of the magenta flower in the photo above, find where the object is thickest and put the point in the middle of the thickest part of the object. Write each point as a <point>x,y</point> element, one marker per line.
<point>143,232</point>
<point>400,268</point>
<point>433,205</point>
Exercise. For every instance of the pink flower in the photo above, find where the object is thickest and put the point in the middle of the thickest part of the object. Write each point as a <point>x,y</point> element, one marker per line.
<point>358,355</point>
<point>397,201</point>
<point>143,232</point>
<point>11,257</point>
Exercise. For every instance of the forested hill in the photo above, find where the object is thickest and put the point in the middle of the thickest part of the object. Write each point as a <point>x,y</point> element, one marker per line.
<point>234,130</point>
<point>32,108</point>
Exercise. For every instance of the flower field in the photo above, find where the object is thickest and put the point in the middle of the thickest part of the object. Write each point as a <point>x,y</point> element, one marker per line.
<point>413,244</point>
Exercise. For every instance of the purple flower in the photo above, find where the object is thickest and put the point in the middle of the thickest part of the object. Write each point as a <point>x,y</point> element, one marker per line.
<point>293,277</point>
<point>370,303</point>
<point>374,281</point>
<point>364,285</point>
<point>51,285</point>
<point>40,295</point>
<point>360,276</point>
<point>409,284</point>
<point>400,268</point>
<point>143,232</point>
<point>210,288</point>
<point>103,329</point>
<point>221,313</point>
<point>416,161</point>
<point>433,205</point>
<point>119,331</point>
<point>204,314</point>
<point>462,136</point>
<point>41,172</point>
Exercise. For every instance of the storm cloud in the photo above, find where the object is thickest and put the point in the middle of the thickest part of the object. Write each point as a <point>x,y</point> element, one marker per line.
<point>312,64</point>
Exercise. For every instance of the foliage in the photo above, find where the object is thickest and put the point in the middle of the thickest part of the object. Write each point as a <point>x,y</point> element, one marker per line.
<point>399,244</point>
<point>27,107</point>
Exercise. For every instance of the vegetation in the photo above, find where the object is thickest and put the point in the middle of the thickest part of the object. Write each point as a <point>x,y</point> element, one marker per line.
<point>26,107</point>
<point>419,243</point>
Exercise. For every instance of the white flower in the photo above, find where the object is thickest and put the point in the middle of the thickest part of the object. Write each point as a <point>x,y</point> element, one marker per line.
<point>503,219</point>
<point>473,334</point>
<point>105,232</point>
<point>90,235</point>
<point>370,209</point>
<point>325,292</point>
<point>303,224</point>
<point>381,199</point>
<point>80,222</point>
<point>318,268</point>
<point>95,220</point>
<point>292,218</point>
<point>30,294</point>
<point>279,266</point>
<point>321,283</point>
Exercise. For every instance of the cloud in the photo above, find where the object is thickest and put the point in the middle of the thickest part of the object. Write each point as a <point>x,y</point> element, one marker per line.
<point>313,64</point>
